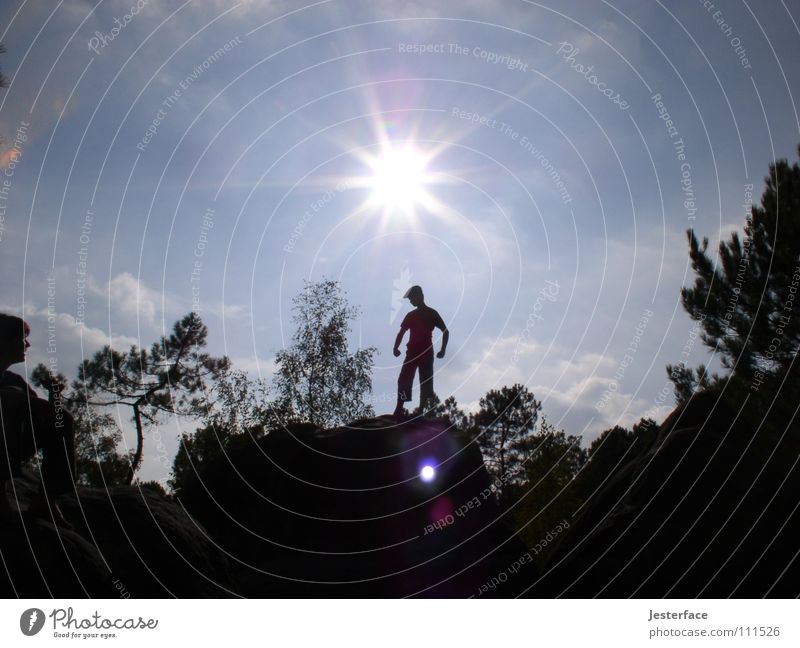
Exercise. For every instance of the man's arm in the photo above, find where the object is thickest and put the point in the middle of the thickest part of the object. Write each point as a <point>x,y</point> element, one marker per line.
<point>445,336</point>
<point>399,338</point>
<point>397,342</point>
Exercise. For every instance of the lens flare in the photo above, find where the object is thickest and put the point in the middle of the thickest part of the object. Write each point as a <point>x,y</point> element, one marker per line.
<point>427,473</point>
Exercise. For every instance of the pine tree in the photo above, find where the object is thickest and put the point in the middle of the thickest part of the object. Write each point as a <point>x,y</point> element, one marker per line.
<point>98,463</point>
<point>504,425</point>
<point>747,302</point>
<point>548,496</point>
<point>171,378</point>
<point>3,79</point>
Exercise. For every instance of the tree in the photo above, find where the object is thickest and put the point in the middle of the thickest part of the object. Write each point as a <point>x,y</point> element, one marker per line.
<point>503,427</point>
<point>548,496</point>
<point>747,304</point>
<point>195,452</point>
<point>687,381</point>
<point>447,409</point>
<point>165,379</point>
<point>240,410</point>
<point>155,487</point>
<point>3,79</point>
<point>611,451</point>
<point>317,379</point>
<point>97,461</point>
<point>241,403</point>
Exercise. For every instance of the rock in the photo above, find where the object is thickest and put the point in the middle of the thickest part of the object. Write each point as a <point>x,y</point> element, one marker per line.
<point>710,511</point>
<point>125,543</point>
<point>153,548</point>
<point>41,561</point>
<point>344,512</point>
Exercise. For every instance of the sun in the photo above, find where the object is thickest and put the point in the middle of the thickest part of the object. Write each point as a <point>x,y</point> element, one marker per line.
<point>398,179</point>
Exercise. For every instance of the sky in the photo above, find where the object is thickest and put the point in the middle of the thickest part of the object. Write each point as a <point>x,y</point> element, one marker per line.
<point>533,166</point>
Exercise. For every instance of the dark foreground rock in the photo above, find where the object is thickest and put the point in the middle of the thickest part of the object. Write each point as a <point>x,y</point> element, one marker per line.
<point>711,510</point>
<point>344,512</point>
<point>126,542</point>
<point>708,508</point>
<point>39,561</point>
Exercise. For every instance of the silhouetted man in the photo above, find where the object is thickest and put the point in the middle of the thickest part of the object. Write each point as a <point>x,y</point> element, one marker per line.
<point>420,322</point>
<point>29,424</point>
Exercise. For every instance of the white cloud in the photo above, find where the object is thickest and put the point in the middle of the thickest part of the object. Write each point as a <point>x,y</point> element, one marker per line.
<point>237,312</point>
<point>70,331</point>
<point>60,343</point>
<point>569,387</point>
<point>130,296</point>
<point>255,366</point>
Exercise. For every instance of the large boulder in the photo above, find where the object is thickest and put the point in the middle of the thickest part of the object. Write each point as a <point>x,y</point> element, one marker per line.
<point>126,542</point>
<point>152,547</point>
<point>345,512</point>
<point>38,560</point>
<point>711,510</point>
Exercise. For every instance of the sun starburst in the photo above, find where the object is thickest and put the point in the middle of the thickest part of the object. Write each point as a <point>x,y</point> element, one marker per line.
<point>398,179</point>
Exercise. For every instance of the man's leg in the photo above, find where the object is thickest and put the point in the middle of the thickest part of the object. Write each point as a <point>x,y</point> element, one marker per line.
<point>405,383</point>
<point>425,379</point>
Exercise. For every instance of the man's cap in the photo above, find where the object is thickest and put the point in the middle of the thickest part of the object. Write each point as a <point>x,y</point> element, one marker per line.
<point>414,290</point>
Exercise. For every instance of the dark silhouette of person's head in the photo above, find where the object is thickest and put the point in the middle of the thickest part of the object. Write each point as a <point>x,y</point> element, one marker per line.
<point>415,296</point>
<point>32,424</point>
<point>14,343</point>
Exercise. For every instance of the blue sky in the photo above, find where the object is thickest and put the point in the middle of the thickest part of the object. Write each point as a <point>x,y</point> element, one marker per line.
<point>556,221</point>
